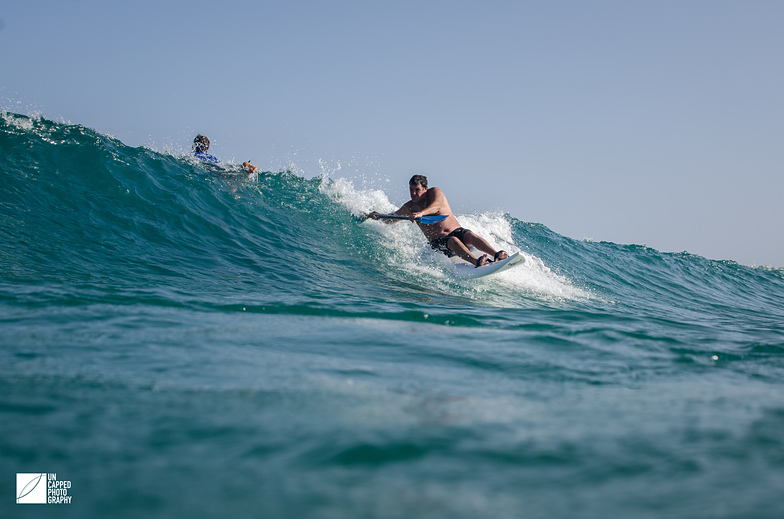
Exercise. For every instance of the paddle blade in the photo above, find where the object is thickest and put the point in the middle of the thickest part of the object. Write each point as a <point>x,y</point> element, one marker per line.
<point>430,220</point>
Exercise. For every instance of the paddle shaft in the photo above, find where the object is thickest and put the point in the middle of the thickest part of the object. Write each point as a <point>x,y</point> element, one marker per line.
<point>427,220</point>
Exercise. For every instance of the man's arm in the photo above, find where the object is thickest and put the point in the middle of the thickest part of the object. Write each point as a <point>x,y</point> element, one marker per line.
<point>405,211</point>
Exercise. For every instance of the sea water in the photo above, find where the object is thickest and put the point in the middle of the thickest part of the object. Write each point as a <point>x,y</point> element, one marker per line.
<point>178,340</point>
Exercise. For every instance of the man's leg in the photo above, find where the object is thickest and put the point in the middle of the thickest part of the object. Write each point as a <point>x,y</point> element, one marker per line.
<point>472,240</point>
<point>462,251</point>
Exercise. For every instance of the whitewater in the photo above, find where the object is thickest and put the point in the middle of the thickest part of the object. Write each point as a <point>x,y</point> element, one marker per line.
<point>177,339</point>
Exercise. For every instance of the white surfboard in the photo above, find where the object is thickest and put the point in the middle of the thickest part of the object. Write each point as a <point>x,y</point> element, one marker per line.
<point>467,271</point>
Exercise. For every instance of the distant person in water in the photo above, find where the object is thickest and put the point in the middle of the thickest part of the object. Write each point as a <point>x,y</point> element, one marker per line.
<point>446,236</point>
<point>249,168</point>
<point>200,146</point>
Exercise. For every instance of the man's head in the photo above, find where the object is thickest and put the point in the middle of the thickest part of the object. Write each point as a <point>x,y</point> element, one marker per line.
<point>419,180</point>
<point>417,186</point>
<point>201,143</point>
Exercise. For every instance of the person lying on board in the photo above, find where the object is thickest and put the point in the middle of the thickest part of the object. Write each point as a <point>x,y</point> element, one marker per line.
<point>200,146</point>
<point>446,236</point>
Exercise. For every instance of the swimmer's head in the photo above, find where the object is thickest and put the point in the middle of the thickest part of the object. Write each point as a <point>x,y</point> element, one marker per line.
<point>201,143</point>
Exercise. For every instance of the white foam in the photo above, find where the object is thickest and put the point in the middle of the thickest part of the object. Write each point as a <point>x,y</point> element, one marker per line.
<point>22,123</point>
<point>358,202</point>
<point>532,276</point>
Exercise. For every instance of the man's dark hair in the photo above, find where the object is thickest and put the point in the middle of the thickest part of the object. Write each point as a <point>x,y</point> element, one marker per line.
<point>419,180</point>
<point>201,143</point>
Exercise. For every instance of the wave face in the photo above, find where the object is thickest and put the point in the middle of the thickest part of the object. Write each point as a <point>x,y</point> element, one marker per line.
<point>251,341</point>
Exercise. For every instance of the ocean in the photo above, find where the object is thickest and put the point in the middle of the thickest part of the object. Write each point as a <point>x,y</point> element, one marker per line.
<point>177,340</point>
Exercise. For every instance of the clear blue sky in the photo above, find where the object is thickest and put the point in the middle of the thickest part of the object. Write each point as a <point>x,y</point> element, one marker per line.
<point>657,123</point>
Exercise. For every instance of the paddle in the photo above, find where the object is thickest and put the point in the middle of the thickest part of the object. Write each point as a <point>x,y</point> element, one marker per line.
<point>427,220</point>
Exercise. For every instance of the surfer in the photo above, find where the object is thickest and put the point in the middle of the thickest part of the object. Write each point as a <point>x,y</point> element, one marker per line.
<point>446,236</point>
<point>200,146</point>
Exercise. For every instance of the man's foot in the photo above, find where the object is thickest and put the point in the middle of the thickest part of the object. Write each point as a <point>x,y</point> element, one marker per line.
<point>500,255</point>
<point>481,261</point>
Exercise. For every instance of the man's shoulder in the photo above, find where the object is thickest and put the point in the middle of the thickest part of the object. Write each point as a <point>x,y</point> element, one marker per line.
<point>435,191</point>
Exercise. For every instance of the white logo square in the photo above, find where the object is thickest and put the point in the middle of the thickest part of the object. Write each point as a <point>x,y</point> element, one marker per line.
<point>31,489</point>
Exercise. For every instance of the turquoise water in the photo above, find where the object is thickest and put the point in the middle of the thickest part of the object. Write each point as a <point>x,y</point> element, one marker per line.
<point>179,341</point>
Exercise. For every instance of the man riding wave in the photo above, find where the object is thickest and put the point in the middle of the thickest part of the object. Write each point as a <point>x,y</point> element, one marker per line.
<point>446,236</point>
